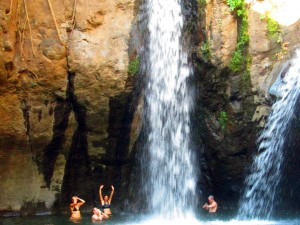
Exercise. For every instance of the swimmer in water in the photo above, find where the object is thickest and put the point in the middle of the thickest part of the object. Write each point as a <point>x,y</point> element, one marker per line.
<point>98,215</point>
<point>212,206</point>
<point>74,207</point>
<point>105,202</point>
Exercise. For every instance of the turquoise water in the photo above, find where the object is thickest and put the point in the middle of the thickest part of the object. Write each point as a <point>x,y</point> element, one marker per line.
<point>86,220</point>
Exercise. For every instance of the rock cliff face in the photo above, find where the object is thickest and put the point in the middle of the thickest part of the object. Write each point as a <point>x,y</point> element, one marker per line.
<point>235,104</point>
<point>69,108</point>
<point>65,99</point>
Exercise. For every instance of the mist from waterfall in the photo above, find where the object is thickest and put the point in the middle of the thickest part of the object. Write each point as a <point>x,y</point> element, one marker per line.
<point>261,184</point>
<point>169,177</point>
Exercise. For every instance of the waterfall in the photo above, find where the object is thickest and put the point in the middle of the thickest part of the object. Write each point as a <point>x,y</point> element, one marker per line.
<point>260,190</point>
<point>169,176</point>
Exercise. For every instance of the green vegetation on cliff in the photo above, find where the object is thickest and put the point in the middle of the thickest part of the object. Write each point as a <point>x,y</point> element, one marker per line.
<point>237,61</point>
<point>240,57</point>
<point>201,3</point>
<point>273,28</point>
<point>204,51</point>
<point>223,119</point>
<point>134,66</point>
<point>274,33</point>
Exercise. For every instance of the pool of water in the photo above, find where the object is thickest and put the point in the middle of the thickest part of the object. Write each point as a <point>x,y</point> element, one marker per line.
<point>127,220</point>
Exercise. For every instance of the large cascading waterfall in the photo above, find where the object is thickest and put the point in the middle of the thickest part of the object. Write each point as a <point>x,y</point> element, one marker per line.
<point>260,191</point>
<point>170,176</point>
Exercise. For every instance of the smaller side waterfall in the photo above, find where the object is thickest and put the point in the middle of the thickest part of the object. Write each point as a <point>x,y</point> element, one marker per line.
<point>261,185</point>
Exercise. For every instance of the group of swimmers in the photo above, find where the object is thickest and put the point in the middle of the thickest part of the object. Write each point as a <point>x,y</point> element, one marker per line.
<point>98,215</point>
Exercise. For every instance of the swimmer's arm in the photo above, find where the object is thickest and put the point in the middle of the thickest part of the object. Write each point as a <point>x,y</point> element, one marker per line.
<point>104,215</point>
<point>81,201</point>
<point>72,205</point>
<point>100,195</point>
<point>213,205</point>
<point>111,194</point>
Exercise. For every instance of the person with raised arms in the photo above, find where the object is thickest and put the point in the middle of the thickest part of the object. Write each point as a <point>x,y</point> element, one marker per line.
<point>106,201</point>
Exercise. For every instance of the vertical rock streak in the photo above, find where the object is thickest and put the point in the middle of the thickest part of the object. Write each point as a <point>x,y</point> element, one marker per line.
<point>261,184</point>
<point>171,178</point>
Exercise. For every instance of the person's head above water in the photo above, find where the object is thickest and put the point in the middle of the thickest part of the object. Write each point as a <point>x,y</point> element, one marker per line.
<point>210,198</point>
<point>106,198</point>
<point>74,199</point>
<point>95,210</point>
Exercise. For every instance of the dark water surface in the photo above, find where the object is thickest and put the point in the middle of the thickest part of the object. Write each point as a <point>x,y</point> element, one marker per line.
<point>123,220</point>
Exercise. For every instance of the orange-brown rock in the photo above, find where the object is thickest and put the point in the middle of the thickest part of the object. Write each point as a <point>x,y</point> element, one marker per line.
<point>64,89</point>
<point>221,29</point>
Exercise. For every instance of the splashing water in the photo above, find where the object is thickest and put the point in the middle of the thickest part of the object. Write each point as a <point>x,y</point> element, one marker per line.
<point>132,220</point>
<point>261,184</point>
<point>170,183</point>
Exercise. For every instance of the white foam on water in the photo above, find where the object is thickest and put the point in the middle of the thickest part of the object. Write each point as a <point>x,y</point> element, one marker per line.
<point>191,220</point>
